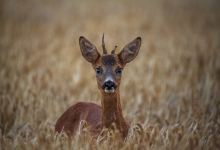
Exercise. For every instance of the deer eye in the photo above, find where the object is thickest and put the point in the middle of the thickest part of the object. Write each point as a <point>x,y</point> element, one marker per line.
<point>99,70</point>
<point>118,71</point>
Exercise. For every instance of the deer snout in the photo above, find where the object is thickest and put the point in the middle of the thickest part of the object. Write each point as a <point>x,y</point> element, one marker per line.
<point>109,86</point>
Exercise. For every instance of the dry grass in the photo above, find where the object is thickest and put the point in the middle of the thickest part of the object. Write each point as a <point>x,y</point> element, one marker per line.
<point>171,89</point>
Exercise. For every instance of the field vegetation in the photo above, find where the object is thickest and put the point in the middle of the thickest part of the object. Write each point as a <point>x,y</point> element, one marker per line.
<point>170,94</point>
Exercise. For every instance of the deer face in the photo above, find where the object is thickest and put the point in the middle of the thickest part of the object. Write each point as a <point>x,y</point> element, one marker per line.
<point>109,67</point>
<point>108,73</point>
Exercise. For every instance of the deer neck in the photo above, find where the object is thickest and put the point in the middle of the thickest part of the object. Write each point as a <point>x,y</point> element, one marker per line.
<point>112,113</point>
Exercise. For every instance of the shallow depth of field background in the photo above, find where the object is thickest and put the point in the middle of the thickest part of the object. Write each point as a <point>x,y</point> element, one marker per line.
<point>171,89</point>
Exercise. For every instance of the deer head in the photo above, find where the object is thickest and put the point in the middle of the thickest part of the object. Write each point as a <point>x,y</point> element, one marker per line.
<point>109,67</point>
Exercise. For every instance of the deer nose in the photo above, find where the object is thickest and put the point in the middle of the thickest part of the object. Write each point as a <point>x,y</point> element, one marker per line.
<point>109,85</point>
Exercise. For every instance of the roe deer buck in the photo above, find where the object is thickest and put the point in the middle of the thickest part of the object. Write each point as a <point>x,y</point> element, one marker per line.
<point>108,68</point>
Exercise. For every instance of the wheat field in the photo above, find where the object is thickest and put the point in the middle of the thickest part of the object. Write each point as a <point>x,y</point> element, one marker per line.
<point>170,93</point>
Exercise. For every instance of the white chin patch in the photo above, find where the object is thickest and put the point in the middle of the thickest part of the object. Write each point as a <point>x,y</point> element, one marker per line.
<point>112,90</point>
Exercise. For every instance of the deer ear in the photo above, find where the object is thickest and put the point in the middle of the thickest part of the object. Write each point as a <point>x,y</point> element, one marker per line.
<point>88,50</point>
<point>130,51</point>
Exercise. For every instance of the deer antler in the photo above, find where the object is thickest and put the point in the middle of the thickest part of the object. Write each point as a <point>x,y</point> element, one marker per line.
<point>113,51</point>
<point>103,45</point>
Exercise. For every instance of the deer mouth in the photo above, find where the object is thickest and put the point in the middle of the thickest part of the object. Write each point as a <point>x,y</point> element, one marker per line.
<point>109,90</point>
<point>109,87</point>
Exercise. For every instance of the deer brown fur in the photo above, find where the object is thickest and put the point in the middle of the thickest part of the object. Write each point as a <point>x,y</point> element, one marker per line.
<point>108,69</point>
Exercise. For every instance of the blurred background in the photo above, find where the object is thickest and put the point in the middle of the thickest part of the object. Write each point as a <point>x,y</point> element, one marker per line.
<point>171,89</point>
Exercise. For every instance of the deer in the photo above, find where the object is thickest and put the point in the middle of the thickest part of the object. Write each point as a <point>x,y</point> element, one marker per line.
<point>108,69</point>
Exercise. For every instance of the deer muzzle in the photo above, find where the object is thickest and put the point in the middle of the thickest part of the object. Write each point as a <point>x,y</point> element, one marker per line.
<point>109,86</point>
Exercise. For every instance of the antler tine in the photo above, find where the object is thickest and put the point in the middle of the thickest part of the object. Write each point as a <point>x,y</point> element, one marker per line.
<point>113,51</point>
<point>103,45</point>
